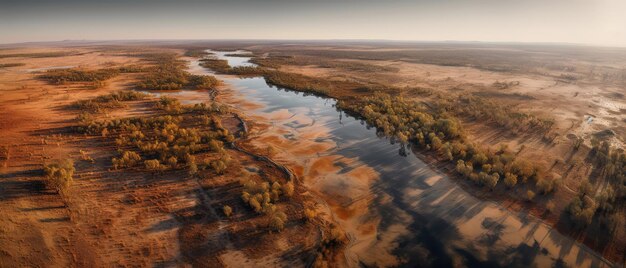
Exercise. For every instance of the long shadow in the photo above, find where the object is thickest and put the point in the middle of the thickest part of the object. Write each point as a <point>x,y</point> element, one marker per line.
<point>42,208</point>
<point>62,219</point>
<point>12,189</point>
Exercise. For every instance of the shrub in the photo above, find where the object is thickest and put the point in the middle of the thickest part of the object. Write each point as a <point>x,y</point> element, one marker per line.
<point>218,166</point>
<point>172,161</point>
<point>85,157</point>
<point>216,145</point>
<point>479,159</point>
<point>530,195</point>
<point>245,196</point>
<point>545,186</point>
<point>128,159</point>
<point>254,203</point>
<point>169,74</point>
<point>107,102</point>
<point>491,180</point>
<point>310,214</point>
<point>228,211</point>
<point>582,208</point>
<point>153,165</point>
<point>59,176</point>
<point>60,76</point>
<point>288,189</point>
<point>510,179</point>
<point>193,168</point>
<point>277,218</point>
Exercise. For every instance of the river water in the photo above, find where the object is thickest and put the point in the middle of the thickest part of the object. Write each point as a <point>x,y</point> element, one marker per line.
<point>396,210</point>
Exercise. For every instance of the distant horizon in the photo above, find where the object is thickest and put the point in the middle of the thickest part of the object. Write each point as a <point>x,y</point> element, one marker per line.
<point>315,40</point>
<point>594,23</point>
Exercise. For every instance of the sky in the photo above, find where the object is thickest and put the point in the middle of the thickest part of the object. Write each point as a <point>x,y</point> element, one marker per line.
<point>594,22</point>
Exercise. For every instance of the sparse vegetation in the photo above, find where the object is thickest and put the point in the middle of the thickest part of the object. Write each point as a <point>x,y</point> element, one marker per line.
<point>38,55</point>
<point>108,102</point>
<point>169,74</point>
<point>228,211</point>
<point>59,175</point>
<point>61,76</point>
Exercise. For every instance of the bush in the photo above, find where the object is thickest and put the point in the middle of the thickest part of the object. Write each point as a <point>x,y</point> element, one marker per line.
<point>530,195</point>
<point>59,176</point>
<point>581,209</point>
<point>172,161</point>
<point>510,179</point>
<point>546,186</point>
<point>153,165</point>
<point>169,74</point>
<point>491,180</point>
<point>193,168</point>
<point>254,203</point>
<point>310,214</point>
<point>228,211</point>
<point>60,76</point>
<point>218,166</point>
<point>128,159</point>
<point>277,218</point>
<point>107,102</point>
<point>288,189</point>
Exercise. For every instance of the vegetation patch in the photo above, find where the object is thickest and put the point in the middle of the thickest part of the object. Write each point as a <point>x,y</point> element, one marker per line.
<point>108,102</point>
<point>96,77</point>
<point>38,55</point>
<point>169,74</point>
<point>59,175</point>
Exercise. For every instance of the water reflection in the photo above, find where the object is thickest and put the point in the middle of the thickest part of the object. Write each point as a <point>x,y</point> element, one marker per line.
<point>234,61</point>
<point>418,217</point>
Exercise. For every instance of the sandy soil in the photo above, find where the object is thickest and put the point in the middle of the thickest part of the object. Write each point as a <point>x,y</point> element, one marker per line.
<point>121,218</point>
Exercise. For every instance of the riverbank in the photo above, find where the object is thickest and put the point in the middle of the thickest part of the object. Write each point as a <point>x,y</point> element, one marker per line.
<point>283,114</point>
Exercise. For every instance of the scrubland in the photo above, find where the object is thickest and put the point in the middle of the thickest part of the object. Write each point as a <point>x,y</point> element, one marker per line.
<point>95,164</point>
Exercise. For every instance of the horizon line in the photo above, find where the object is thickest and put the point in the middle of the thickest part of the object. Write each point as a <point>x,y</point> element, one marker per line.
<point>554,43</point>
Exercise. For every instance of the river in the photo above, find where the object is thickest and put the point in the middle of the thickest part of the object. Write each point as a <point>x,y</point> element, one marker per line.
<point>396,210</point>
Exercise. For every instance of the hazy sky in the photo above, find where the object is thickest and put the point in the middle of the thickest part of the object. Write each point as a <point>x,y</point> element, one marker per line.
<point>599,22</point>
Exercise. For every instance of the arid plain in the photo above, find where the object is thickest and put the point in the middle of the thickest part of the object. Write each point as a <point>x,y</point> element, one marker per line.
<point>312,154</point>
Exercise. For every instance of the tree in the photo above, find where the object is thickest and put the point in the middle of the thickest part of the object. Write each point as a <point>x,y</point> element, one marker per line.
<point>153,165</point>
<point>245,196</point>
<point>172,161</point>
<point>277,218</point>
<point>219,166</point>
<point>492,180</point>
<point>479,159</point>
<point>545,186</point>
<point>510,179</point>
<point>254,203</point>
<point>216,146</point>
<point>288,189</point>
<point>193,168</point>
<point>486,168</point>
<point>128,159</point>
<point>582,208</point>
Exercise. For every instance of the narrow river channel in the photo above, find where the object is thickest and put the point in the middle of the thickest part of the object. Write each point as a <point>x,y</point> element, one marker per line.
<point>396,210</point>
